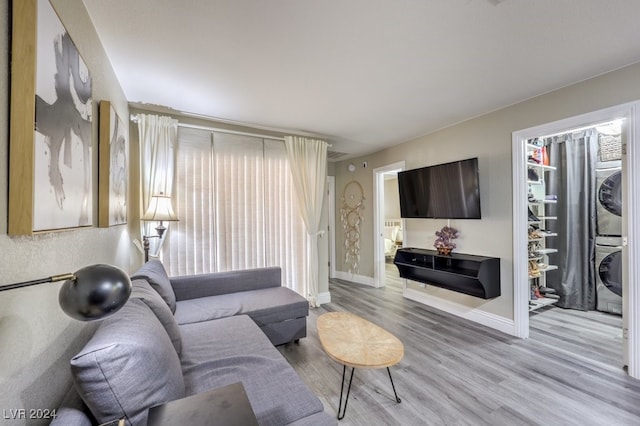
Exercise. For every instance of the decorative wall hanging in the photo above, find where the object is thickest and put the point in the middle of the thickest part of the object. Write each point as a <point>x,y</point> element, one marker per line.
<point>113,168</point>
<point>50,174</point>
<point>351,216</point>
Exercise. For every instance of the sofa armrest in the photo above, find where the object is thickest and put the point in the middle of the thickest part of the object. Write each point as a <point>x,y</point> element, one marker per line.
<point>203,285</point>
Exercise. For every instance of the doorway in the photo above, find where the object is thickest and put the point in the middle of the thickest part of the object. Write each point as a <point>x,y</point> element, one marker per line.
<point>574,247</point>
<point>384,245</point>
<point>630,116</point>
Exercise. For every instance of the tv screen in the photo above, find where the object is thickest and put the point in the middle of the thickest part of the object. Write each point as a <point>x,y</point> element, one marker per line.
<point>444,191</point>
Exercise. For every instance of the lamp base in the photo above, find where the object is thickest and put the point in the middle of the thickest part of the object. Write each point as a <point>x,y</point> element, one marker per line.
<point>145,244</point>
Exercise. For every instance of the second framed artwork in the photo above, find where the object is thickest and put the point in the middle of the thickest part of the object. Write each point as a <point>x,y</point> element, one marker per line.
<point>113,168</point>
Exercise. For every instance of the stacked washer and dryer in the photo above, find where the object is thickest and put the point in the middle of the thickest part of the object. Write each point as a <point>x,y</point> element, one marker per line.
<point>608,256</point>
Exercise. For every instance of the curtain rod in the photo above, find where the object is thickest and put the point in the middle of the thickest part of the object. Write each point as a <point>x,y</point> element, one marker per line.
<point>134,118</point>
<point>234,132</point>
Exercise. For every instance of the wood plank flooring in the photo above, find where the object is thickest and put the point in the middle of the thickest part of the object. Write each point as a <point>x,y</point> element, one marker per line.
<point>459,373</point>
<point>593,335</point>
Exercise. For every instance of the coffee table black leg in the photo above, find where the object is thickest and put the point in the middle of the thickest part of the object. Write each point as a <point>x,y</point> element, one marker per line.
<point>392,385</point>
<point>341,411</point>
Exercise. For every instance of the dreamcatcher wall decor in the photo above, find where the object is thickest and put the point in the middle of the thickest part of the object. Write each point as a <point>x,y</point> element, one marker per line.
<point>351,216</point>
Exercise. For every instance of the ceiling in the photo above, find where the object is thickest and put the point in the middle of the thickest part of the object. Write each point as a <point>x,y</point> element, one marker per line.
<point>364,74</point>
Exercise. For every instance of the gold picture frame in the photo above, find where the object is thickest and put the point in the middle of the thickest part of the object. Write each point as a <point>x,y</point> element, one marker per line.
<point>113,168</point>
<point>50,129</point>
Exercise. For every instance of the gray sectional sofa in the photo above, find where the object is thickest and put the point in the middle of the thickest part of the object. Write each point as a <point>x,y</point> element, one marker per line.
<point>181,336</point>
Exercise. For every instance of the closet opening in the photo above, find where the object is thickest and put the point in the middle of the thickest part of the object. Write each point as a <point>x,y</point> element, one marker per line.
<point>574,190</point>
<point>574,247</point>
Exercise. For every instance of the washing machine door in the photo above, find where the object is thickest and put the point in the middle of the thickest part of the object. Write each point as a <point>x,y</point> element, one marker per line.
<point>609,201</point>
<point>610,271</point>
<point>610,194</point>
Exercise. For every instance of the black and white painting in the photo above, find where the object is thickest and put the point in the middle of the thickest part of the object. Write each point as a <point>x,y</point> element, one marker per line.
<point>63,191</point>
<point>118,167</point>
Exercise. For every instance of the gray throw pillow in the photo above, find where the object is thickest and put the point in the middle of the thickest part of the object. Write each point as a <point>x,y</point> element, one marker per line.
<point>128,366</point>
<point>142,290</point>
<point>153,271</point>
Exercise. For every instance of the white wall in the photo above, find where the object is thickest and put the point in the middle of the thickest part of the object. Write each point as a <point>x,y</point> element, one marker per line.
<point>36,338</point>
<point>489,138</point>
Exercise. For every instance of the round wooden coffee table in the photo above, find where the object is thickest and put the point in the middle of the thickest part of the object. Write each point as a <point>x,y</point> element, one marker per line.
<point>355,342</point>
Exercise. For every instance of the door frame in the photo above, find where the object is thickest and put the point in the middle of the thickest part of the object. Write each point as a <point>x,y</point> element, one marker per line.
<point>378,218</point>
<point>331,216</point>
<point>631,300</point>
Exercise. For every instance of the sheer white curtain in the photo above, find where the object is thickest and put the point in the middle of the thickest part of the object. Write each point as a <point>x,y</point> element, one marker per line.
<point>237,208</point>
<point>158,137</point>
<point>308,162</point>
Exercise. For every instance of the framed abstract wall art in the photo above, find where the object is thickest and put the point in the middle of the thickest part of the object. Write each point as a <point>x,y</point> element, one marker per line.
<point>50,169</point>
<point>113,168</point>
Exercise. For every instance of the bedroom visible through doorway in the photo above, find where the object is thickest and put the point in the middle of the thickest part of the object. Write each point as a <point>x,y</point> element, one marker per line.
<point>389,226</point>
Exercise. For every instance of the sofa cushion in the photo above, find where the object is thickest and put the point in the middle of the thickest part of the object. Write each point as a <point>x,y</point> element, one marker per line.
<point>128,366</point>
<point>265,306</point>
<point>216,283</point>
<point>73,411</point>
<point>242,353</point>
<point>153,271</point>
<point>142,290</point>
<point>316,419</point>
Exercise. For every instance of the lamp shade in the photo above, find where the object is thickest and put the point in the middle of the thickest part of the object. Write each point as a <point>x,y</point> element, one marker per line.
<point>94,292</point>
<point>160,209</point>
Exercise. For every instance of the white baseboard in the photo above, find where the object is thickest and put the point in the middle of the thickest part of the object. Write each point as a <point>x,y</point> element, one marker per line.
<point>324,298</point>
<point>355,278</point>
<point>496,322</point>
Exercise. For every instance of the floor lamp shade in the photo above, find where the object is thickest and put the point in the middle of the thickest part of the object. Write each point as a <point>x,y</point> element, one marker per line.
<point>160,209</point>
<point>95,292</point>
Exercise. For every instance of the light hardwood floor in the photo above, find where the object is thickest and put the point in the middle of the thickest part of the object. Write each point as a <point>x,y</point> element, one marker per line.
<point>459,373</point>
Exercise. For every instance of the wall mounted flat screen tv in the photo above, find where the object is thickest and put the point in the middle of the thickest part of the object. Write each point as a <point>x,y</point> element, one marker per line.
<point>443,191</point>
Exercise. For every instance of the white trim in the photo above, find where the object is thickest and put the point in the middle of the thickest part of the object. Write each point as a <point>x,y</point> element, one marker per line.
<point>331,201</point>
<point>630,111</point>
<point>378,217</point>
<point>355,278</point>
<point>520,292</point>
<point>496,322</point>
<point>632,305</point>
<point>324,298</point>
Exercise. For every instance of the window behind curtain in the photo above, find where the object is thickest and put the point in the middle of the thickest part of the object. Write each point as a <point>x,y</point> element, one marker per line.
<point>237,208</point>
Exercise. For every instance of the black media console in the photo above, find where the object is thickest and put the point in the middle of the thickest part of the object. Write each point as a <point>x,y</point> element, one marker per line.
<point>475,275</point>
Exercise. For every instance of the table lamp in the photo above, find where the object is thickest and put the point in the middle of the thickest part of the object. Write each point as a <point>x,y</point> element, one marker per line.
<point>159,210</point>
<point>91,293</point>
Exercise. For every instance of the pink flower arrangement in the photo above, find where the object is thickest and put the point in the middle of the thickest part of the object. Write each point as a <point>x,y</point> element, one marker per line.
<point>445,237</point>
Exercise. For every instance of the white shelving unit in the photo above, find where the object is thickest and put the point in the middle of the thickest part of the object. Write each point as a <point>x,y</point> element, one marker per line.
<point>541,302</point>
<point>537,204</point>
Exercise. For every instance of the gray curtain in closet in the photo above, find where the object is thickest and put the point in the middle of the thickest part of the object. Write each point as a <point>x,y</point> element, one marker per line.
<point>574,182</point>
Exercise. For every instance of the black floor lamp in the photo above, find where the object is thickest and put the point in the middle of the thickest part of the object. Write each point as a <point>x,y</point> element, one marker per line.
<point>91,293</point>
<point>159,210</point>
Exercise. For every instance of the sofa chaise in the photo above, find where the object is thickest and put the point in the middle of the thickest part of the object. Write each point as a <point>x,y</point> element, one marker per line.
<point>181,336</point>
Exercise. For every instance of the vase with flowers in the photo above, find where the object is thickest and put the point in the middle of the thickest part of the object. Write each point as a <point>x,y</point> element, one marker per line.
<point>444,243</point>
